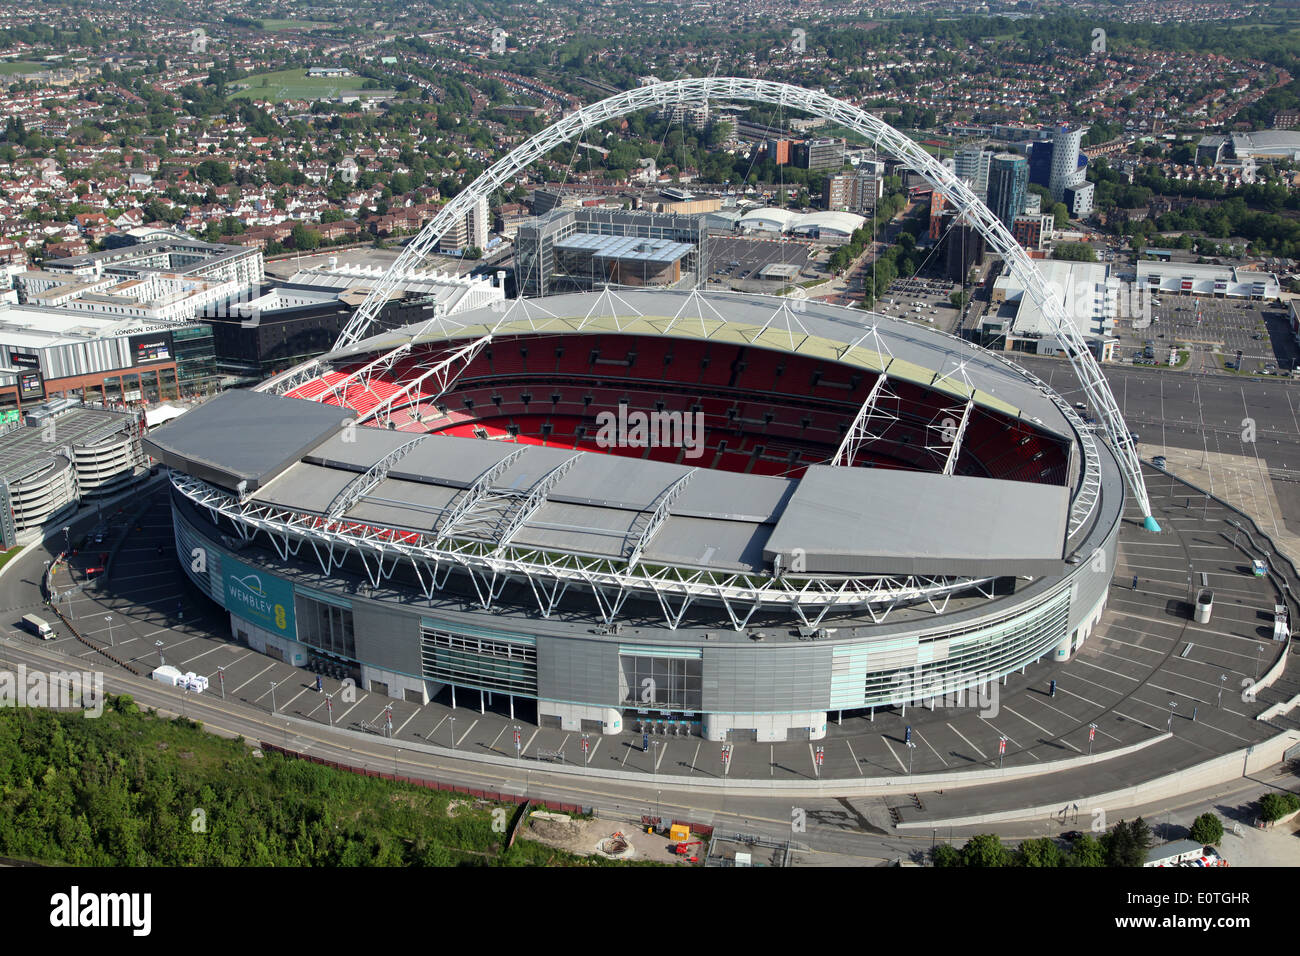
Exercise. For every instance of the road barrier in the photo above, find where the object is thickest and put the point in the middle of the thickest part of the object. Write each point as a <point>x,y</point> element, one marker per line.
<point>495,796</point>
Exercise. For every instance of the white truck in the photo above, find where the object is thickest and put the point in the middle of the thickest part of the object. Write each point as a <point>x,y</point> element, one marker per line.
<point>38,626</point>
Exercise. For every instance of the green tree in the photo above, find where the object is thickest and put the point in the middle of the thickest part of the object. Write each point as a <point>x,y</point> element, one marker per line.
<point>1074,251</point>
<point>1274,806</point>
<point>1087,851</point>
<point>1207,829</point>
<point>1127,843</point>
<point>945,854</point>
<point>1142,837</point>
<point>984,850</point>
<point>1062,215</point>
<point>1040,852</point>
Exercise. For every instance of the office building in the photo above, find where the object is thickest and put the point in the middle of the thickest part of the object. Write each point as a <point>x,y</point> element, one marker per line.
<point>1008,184</point>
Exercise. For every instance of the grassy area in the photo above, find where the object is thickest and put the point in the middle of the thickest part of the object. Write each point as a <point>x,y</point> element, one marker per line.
<point>297,85</point>
<point>135,789</point>
<point>835,131</point>
<point>5,558</point>
<point>10,67</point>
<point>276,26</point>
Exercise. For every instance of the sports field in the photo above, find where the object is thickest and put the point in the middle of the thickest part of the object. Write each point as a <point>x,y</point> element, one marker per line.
<point>297,85</point>
<point>10,67</point>
<point>275,26</point>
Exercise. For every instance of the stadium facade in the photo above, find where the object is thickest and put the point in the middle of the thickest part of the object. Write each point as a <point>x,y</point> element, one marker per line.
<point>875,514</point>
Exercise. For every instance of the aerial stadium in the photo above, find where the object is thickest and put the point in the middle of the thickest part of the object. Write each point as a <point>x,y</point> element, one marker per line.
<point>717,514</point>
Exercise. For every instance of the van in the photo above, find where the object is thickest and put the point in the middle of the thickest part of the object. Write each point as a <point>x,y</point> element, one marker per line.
<point>38,626</point>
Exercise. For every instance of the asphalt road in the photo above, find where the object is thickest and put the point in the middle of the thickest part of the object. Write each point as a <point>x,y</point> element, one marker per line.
<point>1184,409</point>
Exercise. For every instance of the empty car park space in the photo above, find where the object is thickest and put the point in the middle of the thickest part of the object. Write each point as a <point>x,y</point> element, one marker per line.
<point>742,260</point>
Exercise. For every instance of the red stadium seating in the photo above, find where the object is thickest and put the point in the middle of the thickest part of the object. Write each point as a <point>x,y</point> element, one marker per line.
<point>764,412</point>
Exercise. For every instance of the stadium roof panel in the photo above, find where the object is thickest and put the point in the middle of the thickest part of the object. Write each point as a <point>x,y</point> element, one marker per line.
<point>306,487</point>
<point>584,529</point>
<point>818,330</point>
<point>702,543</point>
<point>823,523</point>
<point>877,520</point>
<point>242,436</point>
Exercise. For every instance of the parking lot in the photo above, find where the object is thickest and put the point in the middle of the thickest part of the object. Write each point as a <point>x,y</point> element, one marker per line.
<point>736,263</point>
<point>920,300</point>
<point>1259,330</point>
<point>146,611</point>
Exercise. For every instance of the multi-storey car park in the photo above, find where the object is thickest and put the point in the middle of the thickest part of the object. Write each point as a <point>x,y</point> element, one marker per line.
<point>62,454</point>
<point>871,515</point>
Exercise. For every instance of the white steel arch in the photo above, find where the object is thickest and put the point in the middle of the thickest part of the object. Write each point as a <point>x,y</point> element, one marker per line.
<point>884,136</point>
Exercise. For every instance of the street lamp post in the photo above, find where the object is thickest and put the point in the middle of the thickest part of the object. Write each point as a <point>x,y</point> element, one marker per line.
<point>221,680</point>
<point>1002,749</point>
<point>273,708</point>
<point>329,708</point>
<point>109,619</point>
<point>453,732</point>
<point>911,750</point>
<point>519,746</point>
<point>159,645</point>
<point>1170,726</point>
<point>1092,732</point>
<point>1223,678</point>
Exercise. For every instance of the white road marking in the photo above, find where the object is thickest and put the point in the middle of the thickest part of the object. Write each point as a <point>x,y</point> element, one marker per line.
<point>902,766</point>
<point>931,746</point>
<point>968,743</point>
